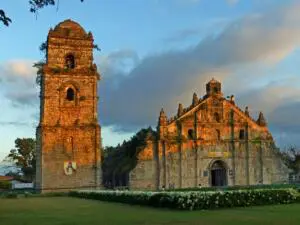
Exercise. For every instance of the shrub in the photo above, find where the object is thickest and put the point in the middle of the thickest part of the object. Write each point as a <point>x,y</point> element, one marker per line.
<point>240,187</point>
<point>195,199</point>
<point>51,194</point>
<point>27,194</point>
<point>10,195</point>
<point>6,185</point>
<point>31,194</point>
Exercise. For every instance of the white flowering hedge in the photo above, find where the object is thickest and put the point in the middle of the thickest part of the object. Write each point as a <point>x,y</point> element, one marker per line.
<point>194,200</point>
<point>241,187</point>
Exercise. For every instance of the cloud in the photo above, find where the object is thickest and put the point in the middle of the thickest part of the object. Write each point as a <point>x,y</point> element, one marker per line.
<point>118,62</point>
<point>285,124</point>
<point>165,79</point>
<point>24,98</point>
<point>133,89</point>
<point>286,117</point>
<point>183,35</point>
<point>269,97</point>
<point>212,27</point>
<point>16,69</point>
<point>18,82</point>
<point>280,103</point>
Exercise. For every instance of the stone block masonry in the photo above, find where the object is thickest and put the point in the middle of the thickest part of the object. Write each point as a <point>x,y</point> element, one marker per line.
<point>68,134</point>
<point>210,143</point>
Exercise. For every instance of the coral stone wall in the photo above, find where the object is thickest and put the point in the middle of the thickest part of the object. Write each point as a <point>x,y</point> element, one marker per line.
<point>212,129</point>
<point>68,135</point>
<point>193,170</point>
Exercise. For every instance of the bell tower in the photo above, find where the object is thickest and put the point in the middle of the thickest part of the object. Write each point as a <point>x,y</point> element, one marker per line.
<point>68,134</point>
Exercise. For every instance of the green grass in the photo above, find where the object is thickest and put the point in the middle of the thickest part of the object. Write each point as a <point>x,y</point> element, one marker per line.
<point>73,211</point>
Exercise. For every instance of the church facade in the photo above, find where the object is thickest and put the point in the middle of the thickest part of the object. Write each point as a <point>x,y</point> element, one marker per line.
<point>210,143</point>
<point>68,135</point>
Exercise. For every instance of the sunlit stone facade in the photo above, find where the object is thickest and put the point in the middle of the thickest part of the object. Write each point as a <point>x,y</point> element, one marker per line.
<point>210,143</point>
<point>68,134</point>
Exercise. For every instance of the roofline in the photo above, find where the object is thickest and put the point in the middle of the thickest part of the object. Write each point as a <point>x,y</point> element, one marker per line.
<point>203,100</point>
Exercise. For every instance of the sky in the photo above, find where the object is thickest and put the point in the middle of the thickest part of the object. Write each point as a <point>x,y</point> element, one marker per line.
<point>157,53</point>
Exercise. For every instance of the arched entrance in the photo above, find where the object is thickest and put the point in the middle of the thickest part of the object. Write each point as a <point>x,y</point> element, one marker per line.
<point>218,174</point>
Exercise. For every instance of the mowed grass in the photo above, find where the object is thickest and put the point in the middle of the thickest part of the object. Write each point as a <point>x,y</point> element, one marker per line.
<point>73,211</point>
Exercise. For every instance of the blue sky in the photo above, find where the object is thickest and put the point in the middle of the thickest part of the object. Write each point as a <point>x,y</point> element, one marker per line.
<point>157,53</point>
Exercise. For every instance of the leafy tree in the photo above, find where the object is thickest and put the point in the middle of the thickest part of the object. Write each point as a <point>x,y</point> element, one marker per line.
<point>24,156</point>
<point>3,18</point>
<point>34,7</point>
<point>291,157</point>
<point>120,160</point>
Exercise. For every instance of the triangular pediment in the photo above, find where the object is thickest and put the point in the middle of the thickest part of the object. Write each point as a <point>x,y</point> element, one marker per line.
<point>213,101</point>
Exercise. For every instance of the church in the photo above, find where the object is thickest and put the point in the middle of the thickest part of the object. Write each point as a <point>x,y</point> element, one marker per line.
<point>212,142</point>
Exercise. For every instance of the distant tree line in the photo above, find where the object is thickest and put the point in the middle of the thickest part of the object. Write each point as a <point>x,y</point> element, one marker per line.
<point>120,160</point>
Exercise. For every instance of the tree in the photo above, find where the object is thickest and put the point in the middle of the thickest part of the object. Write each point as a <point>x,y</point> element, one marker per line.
<point>24,156</point>
<point>120,160</point>
<point>34,7</point>
<point>3,18</point>
<point>291,157</point>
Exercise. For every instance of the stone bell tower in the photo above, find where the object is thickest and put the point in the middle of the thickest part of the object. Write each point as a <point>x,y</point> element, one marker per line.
<point>68,134</point>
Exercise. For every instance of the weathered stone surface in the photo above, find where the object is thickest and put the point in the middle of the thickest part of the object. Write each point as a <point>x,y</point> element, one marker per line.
<point>68,130</point>
<point>211,130</point>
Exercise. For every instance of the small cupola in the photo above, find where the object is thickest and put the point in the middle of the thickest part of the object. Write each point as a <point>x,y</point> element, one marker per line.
<point>213,87</point>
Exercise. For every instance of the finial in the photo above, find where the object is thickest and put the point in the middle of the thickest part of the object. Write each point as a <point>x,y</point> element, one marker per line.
<point>163,120</point>
<point>232,99</point>
<point>261,121</point>
<point>247,111</point>
<point>180,110</point>
<point>162,112</point>
<point>195,99</point>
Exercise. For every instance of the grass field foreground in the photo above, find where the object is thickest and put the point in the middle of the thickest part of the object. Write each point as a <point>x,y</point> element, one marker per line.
<point>73,211</point>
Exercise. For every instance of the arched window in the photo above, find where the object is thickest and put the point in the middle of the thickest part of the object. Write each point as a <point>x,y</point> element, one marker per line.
<point>217,117</point>
<point>70,94</point>
<point>242,134</point>
<point>190,134</point>
<point>70,61</point>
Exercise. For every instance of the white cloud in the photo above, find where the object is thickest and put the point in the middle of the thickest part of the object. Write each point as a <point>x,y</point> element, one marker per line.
<point>18,82</point>
<point>133,90</point>
<point>165,79</point>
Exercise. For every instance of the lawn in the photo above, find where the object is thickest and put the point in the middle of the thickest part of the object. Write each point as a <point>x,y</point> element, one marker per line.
<point>73,211</point>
